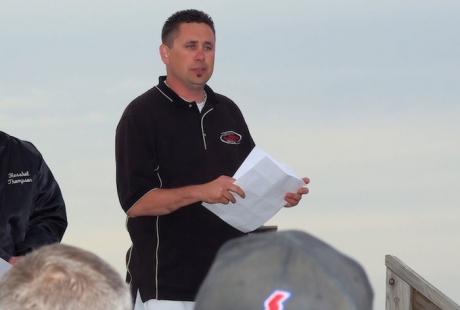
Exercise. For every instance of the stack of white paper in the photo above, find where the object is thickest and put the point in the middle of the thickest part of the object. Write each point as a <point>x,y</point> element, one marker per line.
<point>265,182</point>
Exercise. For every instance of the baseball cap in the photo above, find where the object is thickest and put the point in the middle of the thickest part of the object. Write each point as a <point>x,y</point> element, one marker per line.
<point>285,270</point>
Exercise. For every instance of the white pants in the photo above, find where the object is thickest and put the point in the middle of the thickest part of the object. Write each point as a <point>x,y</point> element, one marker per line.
<point>154,304</point>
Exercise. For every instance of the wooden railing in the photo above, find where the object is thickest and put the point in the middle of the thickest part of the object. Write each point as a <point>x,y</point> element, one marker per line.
<point>406,290</point>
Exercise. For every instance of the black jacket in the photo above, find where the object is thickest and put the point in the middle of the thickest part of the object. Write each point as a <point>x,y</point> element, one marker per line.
<point>32,210</point>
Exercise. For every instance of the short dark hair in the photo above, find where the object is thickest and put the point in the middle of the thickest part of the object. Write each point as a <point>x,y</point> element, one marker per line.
<point>171,26</point>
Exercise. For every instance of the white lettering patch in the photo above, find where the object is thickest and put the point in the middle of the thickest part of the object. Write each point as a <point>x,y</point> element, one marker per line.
<point>19,178</point>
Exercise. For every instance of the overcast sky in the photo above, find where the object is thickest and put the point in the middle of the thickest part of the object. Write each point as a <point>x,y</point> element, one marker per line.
<point>363,97</point>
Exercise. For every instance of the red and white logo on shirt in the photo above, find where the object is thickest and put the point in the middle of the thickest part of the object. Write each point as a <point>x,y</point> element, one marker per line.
<point>230,137</point>
<point>276,300</point>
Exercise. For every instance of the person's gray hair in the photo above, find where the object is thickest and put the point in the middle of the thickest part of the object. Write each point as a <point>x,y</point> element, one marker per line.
<point>60,276</point>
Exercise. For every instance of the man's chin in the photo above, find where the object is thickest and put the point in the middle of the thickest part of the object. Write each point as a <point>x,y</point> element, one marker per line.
<point>200,78</point>
<point>200,81</point>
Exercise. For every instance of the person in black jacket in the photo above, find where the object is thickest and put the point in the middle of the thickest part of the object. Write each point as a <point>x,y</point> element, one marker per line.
<point>32,210</point>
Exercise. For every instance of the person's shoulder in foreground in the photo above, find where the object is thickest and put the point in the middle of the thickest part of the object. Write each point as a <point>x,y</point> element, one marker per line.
<point>288,270</point>
<point>17,147</point>
<point>33,210</point>
<point>59,276</point>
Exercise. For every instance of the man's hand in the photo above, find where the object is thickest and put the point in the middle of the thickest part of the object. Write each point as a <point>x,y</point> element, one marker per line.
<point>221,190</point>
<point>293,199</point>
<point>14,259</point>
<point>164,201</point>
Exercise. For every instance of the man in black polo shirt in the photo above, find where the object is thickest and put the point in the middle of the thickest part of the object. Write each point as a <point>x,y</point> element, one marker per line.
<point>176,146</point>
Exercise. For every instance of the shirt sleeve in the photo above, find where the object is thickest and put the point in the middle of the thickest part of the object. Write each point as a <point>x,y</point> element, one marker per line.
<point>136,160</point>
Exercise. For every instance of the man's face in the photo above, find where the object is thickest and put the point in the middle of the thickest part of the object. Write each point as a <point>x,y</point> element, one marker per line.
<point>190,61</point>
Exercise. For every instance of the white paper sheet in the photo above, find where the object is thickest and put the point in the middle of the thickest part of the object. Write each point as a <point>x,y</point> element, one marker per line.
<point>265,182</point>
<point>4,267</point>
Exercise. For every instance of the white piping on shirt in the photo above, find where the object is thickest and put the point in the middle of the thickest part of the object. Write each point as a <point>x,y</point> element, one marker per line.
<point>158,241</point>
<point>158,218</point>
<point>156,256</point>
<point>202,128</point>
<point>158,235</point>
<point>163,93</point>
<point>202,117</point>
<point>129,256</point>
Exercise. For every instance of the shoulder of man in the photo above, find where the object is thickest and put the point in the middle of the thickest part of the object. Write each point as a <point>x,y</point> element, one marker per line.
<point>19,146</point>
<point>145,101</point>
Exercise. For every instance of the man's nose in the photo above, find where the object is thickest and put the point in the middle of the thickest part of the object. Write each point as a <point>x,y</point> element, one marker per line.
<point>199,56</point>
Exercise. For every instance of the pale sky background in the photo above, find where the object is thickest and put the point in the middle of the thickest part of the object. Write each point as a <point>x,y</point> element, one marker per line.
<point>360,96</point>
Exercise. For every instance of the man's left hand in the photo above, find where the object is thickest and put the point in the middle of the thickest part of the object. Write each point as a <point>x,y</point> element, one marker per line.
<point>293,199</point>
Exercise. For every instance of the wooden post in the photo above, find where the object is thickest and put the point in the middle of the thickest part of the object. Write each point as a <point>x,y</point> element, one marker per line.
<point>406,290</point>
<point>398,292</point>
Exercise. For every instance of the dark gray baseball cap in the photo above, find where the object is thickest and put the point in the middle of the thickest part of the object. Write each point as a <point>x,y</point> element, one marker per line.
<point>287,270</point>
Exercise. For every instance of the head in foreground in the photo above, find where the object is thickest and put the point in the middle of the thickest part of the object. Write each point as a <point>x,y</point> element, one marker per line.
<point>288,270</point>
<point>59,276</point>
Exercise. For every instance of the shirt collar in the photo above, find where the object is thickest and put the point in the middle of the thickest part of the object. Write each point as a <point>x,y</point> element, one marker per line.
<point>171,95</point>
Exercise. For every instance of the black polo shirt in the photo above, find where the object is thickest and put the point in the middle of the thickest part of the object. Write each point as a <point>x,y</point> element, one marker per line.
<point>163,141</point>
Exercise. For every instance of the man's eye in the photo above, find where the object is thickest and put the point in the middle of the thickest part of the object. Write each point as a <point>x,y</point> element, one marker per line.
<point>190,46</point>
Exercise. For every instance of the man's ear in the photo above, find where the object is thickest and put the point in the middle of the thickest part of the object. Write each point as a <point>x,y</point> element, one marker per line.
<point>164,53</point>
